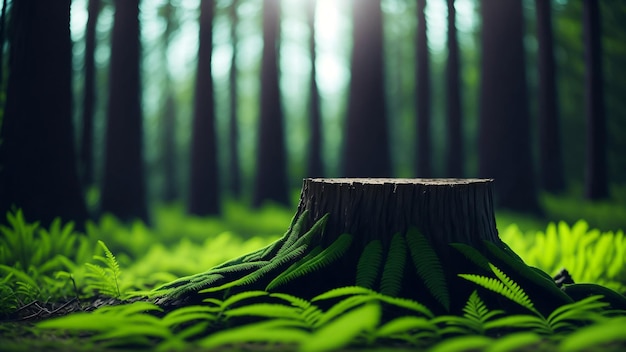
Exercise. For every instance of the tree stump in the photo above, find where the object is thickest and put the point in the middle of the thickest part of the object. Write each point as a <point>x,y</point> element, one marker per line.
<point>415,238</point>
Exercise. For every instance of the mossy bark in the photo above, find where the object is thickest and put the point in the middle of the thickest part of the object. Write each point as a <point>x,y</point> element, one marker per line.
<point>404,237</point>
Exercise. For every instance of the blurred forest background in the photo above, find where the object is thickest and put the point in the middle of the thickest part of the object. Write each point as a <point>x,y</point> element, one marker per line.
<point>118,105</point>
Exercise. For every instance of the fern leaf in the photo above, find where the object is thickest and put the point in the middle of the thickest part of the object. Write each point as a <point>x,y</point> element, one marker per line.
<point>275,264</point>
<point>393,273</point>
<point>279,331</point>
<point>404,325</point>
<point>100,280</point>
<point>368,267</point>
<point>344,291</point>
<point>475,309</point>
<point>350,325</point>
<point>315,230</point>
<point>309,313</point>
<point>294,233</point>
<point>472,254</point>
<point>314,252</point>
<point>428,266</point>
<point>504,286</point>
<point>526,272</point>
<point>239,297</point>
<point>519,294</point>
<point>265,310</point>
<point>342,307</point>
<point>406,303</point>
<point>322,260</point>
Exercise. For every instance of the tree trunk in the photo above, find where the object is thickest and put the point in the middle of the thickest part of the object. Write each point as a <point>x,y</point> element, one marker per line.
<point>596,180</point>
<point>38,170</point>
<point>366,149</point>
<point>424,145</point>
<point>315,165</point>
<point>89,97</point>
<point>234,170</point>
<point>270,183</point>
<point>204,198</point>
<point>170,190</point>
<point>550,155</point>
<point>454,114</point>
<point>504,127</point>
<point>124,188</point>
<point>403,237</point>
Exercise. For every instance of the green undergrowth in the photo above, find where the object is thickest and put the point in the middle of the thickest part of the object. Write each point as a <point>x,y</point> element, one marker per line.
<point>112,259</point>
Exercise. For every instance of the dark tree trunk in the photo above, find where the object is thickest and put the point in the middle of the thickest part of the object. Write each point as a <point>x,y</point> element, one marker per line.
<point>89,95</point>
<point>403,237</point>
<point>204,193</point>
<point>170,180</point>
<point>366,149</point>
<point>550,155</point>
<point>504,127</point>
<point>3,20</point>
<point>454,130</point>
<point>170,191</point>
<point>38,170</point>
<point>315,166</point>
<point>424,149</point>
<point>123,190</point>
<point>596,179</point>
<point>270,183</point>
<point>234,169</point>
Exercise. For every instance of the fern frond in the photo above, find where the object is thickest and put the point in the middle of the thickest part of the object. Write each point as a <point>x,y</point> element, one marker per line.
<point>504,286</point>
<point>275,264</point>
<point>279,331</point>
<point>475,309</point>
<point>406,303</point>
<point>584,310</point>
<point>344,291</point>
<point>472,254</point>
<point>352,325</point>
<point>368,267</point>
<point>322,260</point>
<point>265,310</point>
<point>404,325</point>
<point>295,233</point>
<point>519,294</point>
<point>197,284</point>
<point>101,280</point>
<point>526,272</point>
<point>316,230</point>
<point>393,272</point>
<point>312,254</point>
<point>238,298</point>
<point>428,266</point>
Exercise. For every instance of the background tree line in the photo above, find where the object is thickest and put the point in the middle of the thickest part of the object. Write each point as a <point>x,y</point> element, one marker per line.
<point>131,102</point>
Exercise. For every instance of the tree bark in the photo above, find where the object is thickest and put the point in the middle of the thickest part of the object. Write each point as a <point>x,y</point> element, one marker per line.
<point>124,187</point>
<point>424,145</point>
<point>38,170</point>
<point>504,124</point>
<point>550,155</point>
<point>234,170</point>
<point>596,179</point>
<point>315,165</point>
<point>270,183</point>
<point>366,149</point>
<point>204,197</point>
<point>89,97</point>
<point>444,210</point>
<point>454,114</point>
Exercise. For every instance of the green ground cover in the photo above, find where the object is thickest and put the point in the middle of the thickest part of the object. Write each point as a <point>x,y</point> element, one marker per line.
<point>46,273</point>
